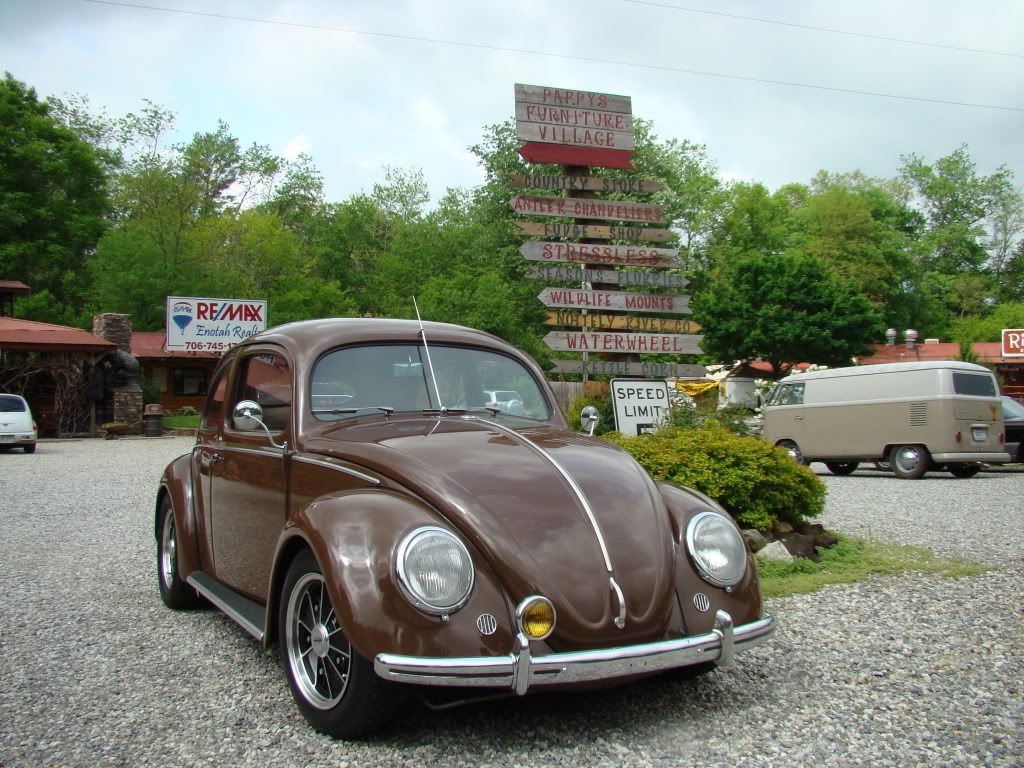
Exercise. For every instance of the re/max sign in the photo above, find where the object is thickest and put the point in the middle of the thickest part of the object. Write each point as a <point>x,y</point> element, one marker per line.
<point>230,310</point>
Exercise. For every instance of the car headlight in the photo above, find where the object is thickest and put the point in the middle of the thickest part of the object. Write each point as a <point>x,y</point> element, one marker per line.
<point>717,549</point>
<point>434,570</point>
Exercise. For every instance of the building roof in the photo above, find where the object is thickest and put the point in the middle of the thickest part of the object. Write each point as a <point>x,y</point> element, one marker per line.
<point>13,286</point>
<point>149,345</point>
<point>987,352</point>
<point>30,335</point>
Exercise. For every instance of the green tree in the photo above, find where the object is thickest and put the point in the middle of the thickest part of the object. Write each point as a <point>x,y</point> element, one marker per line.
<point>53,198</point>
<point>784,309</point>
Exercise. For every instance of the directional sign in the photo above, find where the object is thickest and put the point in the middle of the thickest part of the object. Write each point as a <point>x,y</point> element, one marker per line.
<point>590,157</point>
<point>592,231</point>
<point>587,253</point>
<point>623,343</point>
<point>578,208</point>
<point>1013,342</point>
<point>601,321</point>
<point>576,298</point>
<point>594,367</point>
<point>582,183</point>
<point>620,277</point>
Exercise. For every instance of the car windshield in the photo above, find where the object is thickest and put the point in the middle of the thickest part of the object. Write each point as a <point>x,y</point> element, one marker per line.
<point>11,404</point>
<point>1012,409</point>
<point>358,380</point>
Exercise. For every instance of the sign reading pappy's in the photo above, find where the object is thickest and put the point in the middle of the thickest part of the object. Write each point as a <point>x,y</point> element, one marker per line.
<point>212,325</point>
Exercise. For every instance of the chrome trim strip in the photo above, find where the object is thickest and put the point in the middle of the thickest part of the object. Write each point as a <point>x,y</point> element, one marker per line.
<point>568,478</point>
<point>520,671</point>
<point>328,465</point>
<point>620,620</point>
<point>990,458</point>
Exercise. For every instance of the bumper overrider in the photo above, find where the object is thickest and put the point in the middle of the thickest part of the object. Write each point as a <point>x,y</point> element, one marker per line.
<point>521,672</point>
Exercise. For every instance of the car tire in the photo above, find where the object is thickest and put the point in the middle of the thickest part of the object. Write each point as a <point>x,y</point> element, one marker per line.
<point>335,688</point>
<point>794,451</point>
<point>909,462</point>
<point>963,469</point>
<point>842,467</point>
<point>175,593</point>
<point>30,448</point>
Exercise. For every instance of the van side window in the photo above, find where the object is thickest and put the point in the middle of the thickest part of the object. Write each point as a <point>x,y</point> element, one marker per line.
<point>789,394</point>
<point>977,384</point>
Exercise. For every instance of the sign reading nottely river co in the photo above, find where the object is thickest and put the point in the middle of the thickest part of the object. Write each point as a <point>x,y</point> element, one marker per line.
<point>212,325</point>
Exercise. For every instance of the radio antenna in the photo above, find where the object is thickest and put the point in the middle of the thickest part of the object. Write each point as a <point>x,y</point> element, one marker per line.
<point>430,365</point>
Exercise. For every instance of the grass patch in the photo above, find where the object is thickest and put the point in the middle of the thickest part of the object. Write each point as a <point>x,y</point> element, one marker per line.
<point>181,422</point>
<point>853,560</point>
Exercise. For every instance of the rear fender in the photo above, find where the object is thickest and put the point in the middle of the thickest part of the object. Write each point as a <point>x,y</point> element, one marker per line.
<point>353,536</point>
<point>177,484</point>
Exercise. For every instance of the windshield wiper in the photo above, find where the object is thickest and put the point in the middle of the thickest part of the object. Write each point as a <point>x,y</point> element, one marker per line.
<point>388,410</point>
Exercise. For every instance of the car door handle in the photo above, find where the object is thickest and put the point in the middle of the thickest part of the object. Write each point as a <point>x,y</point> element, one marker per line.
<point>798,418</point>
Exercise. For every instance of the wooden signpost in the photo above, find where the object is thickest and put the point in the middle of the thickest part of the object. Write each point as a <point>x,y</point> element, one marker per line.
<point>578,298</point>
<point>621,277</point>
<point>595,321</point>
<point>590,231</point>
<point>624,343</point>
<point>579,129</point>
<point>589,253</point>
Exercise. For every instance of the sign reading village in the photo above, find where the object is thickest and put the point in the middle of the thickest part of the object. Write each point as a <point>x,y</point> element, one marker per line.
<point>212,325</point>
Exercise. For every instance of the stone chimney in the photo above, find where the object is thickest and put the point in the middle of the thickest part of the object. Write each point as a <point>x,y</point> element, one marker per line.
<point>114,327</point>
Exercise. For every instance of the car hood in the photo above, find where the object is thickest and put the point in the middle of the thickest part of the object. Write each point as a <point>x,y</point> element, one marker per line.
<point>502,489</point>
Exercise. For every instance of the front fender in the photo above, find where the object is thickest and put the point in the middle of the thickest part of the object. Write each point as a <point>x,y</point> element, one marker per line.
<point>353,535</point>
<point>176,483</point>
<point>742,601</point>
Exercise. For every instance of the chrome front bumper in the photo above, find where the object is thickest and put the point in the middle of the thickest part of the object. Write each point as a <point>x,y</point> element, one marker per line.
<point>521,671</point>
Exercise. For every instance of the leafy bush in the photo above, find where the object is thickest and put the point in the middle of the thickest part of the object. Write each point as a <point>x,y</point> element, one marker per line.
<point>759,485</point>
<point>187,410</point>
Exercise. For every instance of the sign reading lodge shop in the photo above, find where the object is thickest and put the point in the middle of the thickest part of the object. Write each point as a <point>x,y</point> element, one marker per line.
<point>212,325</point>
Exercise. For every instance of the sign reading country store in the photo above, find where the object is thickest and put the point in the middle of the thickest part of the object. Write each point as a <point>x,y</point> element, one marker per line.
<point>212,325</point>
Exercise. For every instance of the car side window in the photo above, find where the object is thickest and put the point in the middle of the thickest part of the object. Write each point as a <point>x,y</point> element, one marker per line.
<point>213,415</point>
<point>789,394</point>
<point>266,379</point>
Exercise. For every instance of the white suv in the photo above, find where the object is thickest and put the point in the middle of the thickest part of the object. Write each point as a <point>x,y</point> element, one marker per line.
<point>17,427</point>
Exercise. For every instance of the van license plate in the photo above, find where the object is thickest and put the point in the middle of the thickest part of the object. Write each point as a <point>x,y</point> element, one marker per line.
<point>980,434</point>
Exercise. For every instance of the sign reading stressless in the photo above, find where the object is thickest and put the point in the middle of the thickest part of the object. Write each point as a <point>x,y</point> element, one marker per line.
<point>212,325</point>
<point>640,405</point>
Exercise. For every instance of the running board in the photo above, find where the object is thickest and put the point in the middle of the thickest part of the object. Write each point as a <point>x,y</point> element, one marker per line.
<point>248,613</point>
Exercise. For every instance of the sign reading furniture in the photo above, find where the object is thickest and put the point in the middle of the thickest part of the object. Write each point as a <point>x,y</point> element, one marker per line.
<point>212,325</point>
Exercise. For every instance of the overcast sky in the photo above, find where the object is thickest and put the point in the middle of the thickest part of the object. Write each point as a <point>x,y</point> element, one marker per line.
<point>412,84</point>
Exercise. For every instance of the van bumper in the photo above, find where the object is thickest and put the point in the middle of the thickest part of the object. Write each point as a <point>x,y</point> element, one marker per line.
<point>988,458</point>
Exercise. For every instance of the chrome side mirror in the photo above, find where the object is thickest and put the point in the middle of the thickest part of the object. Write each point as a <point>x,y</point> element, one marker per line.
<point>248,417</point>
<point>589,418</point>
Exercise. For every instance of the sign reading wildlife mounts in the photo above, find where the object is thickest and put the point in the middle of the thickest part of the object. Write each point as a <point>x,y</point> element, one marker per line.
<point>624,301</point>
<point>640,406</point>
<point>212,325</point>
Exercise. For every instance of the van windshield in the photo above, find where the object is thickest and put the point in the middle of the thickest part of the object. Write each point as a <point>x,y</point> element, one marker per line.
<point>977,384</point>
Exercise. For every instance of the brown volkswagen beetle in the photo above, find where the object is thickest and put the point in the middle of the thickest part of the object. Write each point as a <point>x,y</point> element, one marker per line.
<point>356,495</point>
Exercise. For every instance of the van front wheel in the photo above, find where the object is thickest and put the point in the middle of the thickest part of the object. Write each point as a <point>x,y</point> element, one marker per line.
<point>909,462</point>
<point>793,450</point>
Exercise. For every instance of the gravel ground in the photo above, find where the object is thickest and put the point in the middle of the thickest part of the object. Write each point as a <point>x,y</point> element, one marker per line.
<point>897,671</point>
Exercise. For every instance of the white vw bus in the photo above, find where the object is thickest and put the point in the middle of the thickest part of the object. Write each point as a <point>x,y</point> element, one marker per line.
<point>918,416</point>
